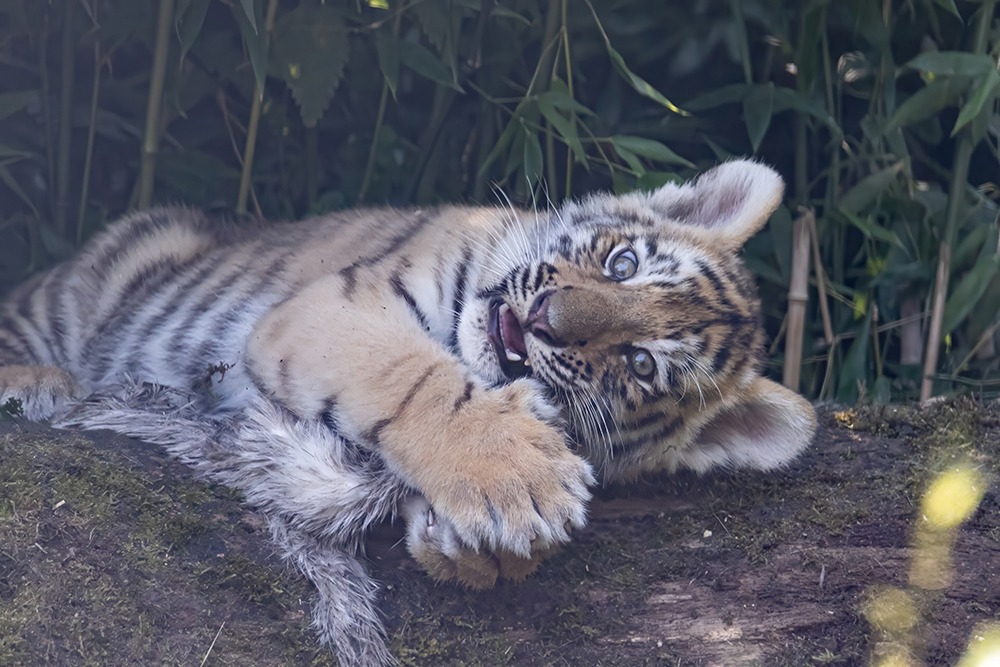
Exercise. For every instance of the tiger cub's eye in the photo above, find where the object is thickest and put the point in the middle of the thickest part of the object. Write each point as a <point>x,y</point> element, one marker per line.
<point>641,363</point>
<point>623,264</point>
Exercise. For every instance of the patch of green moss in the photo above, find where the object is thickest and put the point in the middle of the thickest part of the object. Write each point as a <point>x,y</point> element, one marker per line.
<point>258,584</point>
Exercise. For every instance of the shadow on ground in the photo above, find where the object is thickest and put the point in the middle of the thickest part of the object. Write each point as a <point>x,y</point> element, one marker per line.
<point>112,554</point>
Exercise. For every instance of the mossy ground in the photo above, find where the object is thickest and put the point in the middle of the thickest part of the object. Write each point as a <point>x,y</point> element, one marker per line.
<point>111,554</point>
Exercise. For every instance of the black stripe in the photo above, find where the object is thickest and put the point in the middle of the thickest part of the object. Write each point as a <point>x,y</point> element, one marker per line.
<point>716,283</point>
<point>26,311</point>
<point>458,297</point>
<point>10,354</point>
<point>465,397</point>
<point>128,322</point>
<point>399,289</point>
<point>395,244</point>
<point>222,321</point>
<point>329,416</point>
<point>10,328</point>
<point>667,430</point>
<point>413,390</point>
<point>373,436</point>
<point>128,233</point>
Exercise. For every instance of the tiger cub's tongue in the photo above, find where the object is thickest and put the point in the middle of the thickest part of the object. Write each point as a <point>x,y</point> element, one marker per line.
<point>511,333</point>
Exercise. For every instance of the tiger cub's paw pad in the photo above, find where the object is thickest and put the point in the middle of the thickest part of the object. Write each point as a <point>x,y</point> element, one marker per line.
<point>40,391</point>
<point>432,542</point>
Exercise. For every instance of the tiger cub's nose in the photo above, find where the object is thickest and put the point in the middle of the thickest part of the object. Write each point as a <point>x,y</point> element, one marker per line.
<point>537,323</point>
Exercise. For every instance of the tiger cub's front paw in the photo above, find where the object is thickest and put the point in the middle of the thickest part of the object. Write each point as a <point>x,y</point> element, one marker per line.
<point>508,481</point>
<point>38,391</point>
<point>432,542</point>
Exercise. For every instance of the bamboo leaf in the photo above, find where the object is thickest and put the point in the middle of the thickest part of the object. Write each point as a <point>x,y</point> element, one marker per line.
<point>422,61</point>
<point>986,91</point>
<point>631,159</point>
<point>11,103</point>
<point>928,101</point>
<point>255,43</point>
<point>496,10</point>
<point>387,47</point>
<point>854,370</point>
<point>639,84</point>
<point>730,94</point>
<point>953,63</point>
<point>533,161</point>
<point>504,140</point>
<point>648,148</point>
<point>9,154</point>
<point>654,180</point>
<point>967,294</point>
<point>250,11</point>
<point>189,16</point>
<point>564,127</point>
<point>871,229</point>
<point>758,105</point>
<point>8,179</point>
<point>786,98</point>
<point>948,6</point>
<point>866,191</point>
<point>558,97</point>
<point>310,50</point>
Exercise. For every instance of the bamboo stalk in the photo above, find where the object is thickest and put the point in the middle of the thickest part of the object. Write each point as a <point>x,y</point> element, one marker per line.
<point>88,159</point>
<point>824,307</point>
<point>798,287</point>
<point>65,120</point>
<point>312,166</point>
<point>151,136</point>
<point>568,187</point>
<point>956,195</point>
<point>246,174</point>
<point>798,298</point>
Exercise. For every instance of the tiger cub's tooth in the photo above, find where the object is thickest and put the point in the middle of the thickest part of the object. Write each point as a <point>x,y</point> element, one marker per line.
<point>512,356</point>
<point>527,361</point>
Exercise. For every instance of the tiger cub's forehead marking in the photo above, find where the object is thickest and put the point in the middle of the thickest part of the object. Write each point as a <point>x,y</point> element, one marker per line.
<point>665,259</point>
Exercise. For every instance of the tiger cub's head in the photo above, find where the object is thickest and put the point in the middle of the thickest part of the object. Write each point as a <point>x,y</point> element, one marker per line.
<point>639,316</point>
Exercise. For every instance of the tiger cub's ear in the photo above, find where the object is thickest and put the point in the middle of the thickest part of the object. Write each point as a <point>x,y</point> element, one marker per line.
<point>768,427</point>
<point>729,203</point>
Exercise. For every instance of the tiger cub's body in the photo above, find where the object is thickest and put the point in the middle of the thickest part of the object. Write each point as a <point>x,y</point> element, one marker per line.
<point>488,360</point>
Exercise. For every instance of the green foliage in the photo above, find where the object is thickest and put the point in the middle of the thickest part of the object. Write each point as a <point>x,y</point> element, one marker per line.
<point>863,106</point>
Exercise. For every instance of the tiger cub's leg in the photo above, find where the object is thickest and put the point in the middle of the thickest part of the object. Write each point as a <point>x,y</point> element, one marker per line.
<point>493,461</point>
<point>37,392</point>
<point>433,543</point>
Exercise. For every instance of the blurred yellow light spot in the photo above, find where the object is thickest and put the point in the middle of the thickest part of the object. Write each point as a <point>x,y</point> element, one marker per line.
<point>294,70</point>
<point>876,265</point>
<point>891,610</point>
<point>860,305</point>
<point>378,4</point>
<point>895,660</point>
<point>984,648</point>
<point>953,497</point>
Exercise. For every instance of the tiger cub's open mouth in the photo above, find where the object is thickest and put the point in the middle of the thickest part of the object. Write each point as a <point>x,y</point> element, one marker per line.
<point>507,335</point>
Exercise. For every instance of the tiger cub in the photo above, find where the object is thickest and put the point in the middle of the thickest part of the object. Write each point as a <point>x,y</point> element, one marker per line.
<point>493,361</point>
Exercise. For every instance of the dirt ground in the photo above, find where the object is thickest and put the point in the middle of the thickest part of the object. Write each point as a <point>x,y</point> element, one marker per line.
<point>111,554</point>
